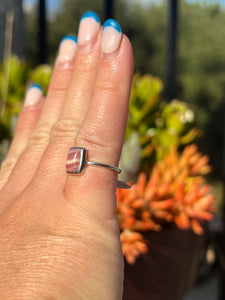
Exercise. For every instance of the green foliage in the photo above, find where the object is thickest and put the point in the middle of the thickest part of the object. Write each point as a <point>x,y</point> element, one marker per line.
<point>15,77</point>
<point>41,75</point>
<point>174,127</point>
<point>202,73</point>
<point>154,126</point>
<point>144,102</point>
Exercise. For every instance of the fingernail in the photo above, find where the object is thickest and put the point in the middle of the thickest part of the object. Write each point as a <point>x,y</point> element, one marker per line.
<point>33,95</point>
<point>88,29</point>
<point>111,36</point>
<point>67,49</point>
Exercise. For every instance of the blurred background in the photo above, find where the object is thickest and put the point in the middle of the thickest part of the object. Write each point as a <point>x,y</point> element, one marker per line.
<point>182,42</point>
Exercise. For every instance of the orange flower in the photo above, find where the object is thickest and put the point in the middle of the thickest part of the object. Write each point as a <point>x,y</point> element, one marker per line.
<point>133,244</point>
<point>139,208</point>
<point>175,192</point>
<point>193,206</point>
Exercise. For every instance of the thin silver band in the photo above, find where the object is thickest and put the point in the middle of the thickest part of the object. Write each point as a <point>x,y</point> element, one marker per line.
<point>104,165</point>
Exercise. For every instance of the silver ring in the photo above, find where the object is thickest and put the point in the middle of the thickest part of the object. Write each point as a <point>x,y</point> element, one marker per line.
<point>77,161</point>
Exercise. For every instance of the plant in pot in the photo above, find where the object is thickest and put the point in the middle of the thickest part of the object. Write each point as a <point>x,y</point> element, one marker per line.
<point>162,216</point>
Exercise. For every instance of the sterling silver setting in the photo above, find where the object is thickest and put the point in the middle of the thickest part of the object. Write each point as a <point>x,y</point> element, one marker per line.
<point>77,161</point>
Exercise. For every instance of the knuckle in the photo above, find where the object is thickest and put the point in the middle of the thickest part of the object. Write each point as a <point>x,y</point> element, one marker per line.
<point>8,163</point>
<point>40,136</point>
<point>110,83</point>
<point>88,65</point>
<point>64,128</point>
<point>55,91</point>
<point>92,139</point>
<point>108,86</point>
<point>60,79</point>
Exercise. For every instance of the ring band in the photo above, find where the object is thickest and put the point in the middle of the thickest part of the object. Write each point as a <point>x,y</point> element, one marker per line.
<point>104,165</point>
<point>77,161</point>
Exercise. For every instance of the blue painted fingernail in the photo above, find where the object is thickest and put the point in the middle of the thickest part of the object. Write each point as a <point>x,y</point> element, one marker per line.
<point>33,95</point>
<point>89,28</point>
<point>67,49</point>
<point>90,14</point>
<point>112,23</point>
<point>111,36</point>
<point>35,85</point>
<point>69,37</point>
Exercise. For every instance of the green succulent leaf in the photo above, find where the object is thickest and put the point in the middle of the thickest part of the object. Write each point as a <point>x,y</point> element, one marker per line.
<point>42,75</point>
<point>173,121</point>
<point>130,157</point>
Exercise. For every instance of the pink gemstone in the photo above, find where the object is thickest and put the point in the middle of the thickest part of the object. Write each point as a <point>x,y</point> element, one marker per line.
<point>75,160</point>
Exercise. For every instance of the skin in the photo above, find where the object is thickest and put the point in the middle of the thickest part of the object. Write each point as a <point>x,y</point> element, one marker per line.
<point>59,233</point>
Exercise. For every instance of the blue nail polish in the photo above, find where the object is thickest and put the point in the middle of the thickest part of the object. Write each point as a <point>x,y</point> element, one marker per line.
<point>35,85</point>
<point>91,14</point>
<point>112,23</point>
<point>69,37</point>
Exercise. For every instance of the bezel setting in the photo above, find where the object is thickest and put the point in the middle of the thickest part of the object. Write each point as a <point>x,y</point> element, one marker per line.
<point>76,160</point>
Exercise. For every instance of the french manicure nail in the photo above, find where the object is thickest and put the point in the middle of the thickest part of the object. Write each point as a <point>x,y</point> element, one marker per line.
<point>67,49</point>
<point>111,36</point>
<point>33,95</point>
<point>88,28</point>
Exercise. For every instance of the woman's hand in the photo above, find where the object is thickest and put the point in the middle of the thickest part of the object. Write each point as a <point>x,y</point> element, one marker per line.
<point>59,236</point>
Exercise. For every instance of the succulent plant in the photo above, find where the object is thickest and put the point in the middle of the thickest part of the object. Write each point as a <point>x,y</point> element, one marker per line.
<point>174,192</point>
<point>15,77</point>
<point>41,75</point>
<point>133,244</point>
<point>154,125</point>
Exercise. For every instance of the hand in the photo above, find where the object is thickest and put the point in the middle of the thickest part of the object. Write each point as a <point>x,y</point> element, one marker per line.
<point>59,233</point>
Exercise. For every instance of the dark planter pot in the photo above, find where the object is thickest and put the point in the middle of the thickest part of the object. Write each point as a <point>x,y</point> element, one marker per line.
<point>168,270</point>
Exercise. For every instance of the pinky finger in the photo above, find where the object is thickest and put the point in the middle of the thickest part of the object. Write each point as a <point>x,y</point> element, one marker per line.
<point>26,123</point>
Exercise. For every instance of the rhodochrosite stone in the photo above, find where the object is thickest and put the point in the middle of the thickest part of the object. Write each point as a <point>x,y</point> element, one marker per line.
<point>76,160</point>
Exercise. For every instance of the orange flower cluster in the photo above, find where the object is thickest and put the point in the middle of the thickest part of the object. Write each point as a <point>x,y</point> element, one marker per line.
<point>133,244</point>
<point>175,192</point>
